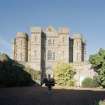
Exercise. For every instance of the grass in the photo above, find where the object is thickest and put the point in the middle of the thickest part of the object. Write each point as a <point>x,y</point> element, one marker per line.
<point>58,96</point>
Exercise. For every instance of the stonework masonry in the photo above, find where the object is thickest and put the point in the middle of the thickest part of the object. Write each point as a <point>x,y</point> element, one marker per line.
<point>46,46</point>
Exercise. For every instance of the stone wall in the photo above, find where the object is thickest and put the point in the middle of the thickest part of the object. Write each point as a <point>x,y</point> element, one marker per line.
<point>83,70</point>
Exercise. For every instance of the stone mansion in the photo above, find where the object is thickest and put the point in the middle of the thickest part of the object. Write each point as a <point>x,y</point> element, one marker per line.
<point>46,46</point>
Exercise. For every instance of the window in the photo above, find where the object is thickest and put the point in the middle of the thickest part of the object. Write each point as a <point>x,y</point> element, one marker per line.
<point>77,56</point>
<point>49,42</point>
<point>35,38</point>
<point>53,41</point>
<point>35,53</point>
<point>32,32</point>
<point>77,44</point>
<point>63,39</point>
<point>63,54</point>
<point>51,55</point>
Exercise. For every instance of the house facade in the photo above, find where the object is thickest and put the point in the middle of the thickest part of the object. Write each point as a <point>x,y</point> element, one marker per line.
<point>45,46</point>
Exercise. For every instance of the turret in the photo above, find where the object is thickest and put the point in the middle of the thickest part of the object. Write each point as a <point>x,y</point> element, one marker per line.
<point>35,44</point>
<point>21,47</point>
<point>63,34</point>
<point>78,48</point>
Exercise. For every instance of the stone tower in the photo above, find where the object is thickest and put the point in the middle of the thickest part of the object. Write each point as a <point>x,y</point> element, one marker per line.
<point>78,48</point>
<point>51,48</point>
<point>63,44</point>
<point>35,47</point>
<point>21,47</point>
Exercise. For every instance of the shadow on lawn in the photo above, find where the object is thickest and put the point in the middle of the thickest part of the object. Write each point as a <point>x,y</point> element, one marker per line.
<point>41,96</point>
<point>77,97</point>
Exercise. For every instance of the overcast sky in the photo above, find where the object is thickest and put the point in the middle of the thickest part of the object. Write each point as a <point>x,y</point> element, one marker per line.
<point>84,16</point>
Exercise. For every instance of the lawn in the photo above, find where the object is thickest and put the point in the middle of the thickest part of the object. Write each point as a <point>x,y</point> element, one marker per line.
<point>58,96</point>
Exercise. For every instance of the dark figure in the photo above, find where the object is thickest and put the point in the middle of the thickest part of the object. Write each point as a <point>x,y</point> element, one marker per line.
<point>49,82</point>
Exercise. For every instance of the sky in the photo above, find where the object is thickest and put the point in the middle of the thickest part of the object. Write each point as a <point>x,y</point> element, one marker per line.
<point>84,16</point>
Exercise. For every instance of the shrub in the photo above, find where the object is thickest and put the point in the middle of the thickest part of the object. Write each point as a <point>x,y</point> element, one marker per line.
<point>12,73</point>
<point>71,83</point>
<point>89,82</point>
<point>63,74</point>
<point>35,74</point>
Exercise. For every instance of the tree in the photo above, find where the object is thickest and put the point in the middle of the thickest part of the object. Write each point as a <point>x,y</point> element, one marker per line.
<point>98,64</point>
<point>63,74</point>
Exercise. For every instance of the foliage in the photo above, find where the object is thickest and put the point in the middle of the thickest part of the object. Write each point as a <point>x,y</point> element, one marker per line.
<point>96,81</point>
<point>102,102</point>
<point>63,74</point>
<point>12,73</point>
<point>89,82</point>
<point>98,63</point>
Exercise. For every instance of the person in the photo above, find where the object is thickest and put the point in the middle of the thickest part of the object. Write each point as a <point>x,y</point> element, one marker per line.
<point>49,82</point>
